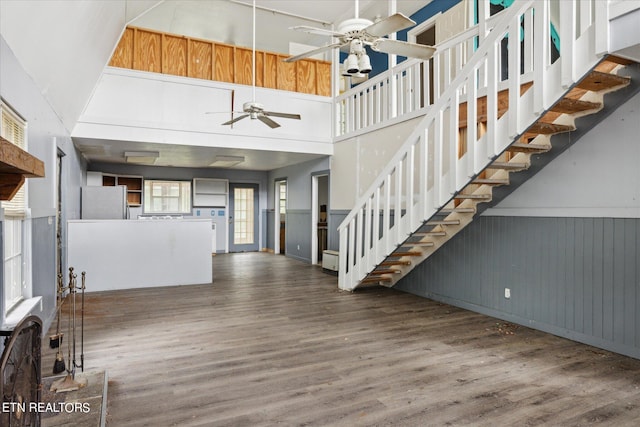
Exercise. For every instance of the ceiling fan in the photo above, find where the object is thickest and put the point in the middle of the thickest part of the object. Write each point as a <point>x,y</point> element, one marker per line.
<point>253,109</point>
<point>357,33</point>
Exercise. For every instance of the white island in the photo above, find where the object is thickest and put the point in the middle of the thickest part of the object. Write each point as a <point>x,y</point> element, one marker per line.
<point>125,254</point>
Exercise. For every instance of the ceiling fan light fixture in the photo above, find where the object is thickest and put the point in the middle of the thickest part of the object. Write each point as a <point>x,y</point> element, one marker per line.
<point>364,64</point>
<point>351,64</point>
<point>343,69</point>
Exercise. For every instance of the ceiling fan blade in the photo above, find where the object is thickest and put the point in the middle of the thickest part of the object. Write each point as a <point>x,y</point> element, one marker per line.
<point>266,120</point>
<point>392,24</point>
<point>230,122</point>
<point>397,47</point>
<point>318,31</point>
<point>283,115</point>
<point>312,52</point>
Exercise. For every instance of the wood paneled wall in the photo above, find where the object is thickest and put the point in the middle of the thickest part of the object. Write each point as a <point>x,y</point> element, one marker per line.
<point>147,50</point>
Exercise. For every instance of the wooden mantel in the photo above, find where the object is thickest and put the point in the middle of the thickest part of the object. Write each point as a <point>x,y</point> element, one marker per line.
<point>15,166</point>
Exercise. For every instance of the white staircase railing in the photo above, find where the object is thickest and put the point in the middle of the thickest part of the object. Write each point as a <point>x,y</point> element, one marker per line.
<point>436,162</point>
<point>406,91</point>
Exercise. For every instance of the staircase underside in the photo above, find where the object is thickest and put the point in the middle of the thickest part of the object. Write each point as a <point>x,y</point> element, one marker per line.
<point>612,82</point>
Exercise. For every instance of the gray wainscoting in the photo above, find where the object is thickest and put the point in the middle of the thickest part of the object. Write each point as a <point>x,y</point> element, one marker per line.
<point>264,229</point>
<point>44,266</point>
<point>298,238</point>
<point>2,313</point>
<point>574,277</point>
<point>270,222</point>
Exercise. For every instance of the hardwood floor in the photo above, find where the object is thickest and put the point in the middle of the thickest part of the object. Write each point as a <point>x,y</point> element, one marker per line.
<point>272,342</point>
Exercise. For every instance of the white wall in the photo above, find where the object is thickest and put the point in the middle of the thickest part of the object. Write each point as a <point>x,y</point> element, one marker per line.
<point>358,161</point>
<point>597,177</point>
<point>298,183</point>
<point>45,135</point>
<point>138,106</point>
<point>43,126</point>
<point>64,46</point>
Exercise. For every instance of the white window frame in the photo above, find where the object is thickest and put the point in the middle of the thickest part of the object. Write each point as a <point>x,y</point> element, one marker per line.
<point>184,197</point>
<point>15,221</point>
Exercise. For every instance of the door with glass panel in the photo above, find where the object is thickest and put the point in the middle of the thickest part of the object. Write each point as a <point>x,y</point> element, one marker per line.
<point>243,218</point>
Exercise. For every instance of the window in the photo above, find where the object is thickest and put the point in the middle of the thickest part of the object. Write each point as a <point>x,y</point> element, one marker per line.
<point>12,262</point>
<point>13,129</point>
<point>283,198</point>
<point>243,216</point>
<point>167,197</point>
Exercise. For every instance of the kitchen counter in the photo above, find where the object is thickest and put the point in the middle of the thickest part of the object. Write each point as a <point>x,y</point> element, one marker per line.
<point>124,254</point>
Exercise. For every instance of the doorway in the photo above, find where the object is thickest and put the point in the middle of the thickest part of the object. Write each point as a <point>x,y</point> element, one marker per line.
<point>425,33</point>
<point>319,215</point>
<point>243,218</point>
<point>280,214</point>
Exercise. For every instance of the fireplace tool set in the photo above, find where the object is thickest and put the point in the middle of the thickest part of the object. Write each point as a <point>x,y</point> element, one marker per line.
<point>69,382</point>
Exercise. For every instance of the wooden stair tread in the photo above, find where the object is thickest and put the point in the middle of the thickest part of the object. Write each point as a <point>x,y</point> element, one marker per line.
<point>444,222</point>
<point>390,263</point>
<point>406,253</point>
<point>457,210</point>
<point>615,60</point>
<point>416,244</point>
<point>473,196</point>
<point>573,106</point>
<point>430,233</point>
<point>543,128</point>
<point>375,279</point>
<point>520,147</point>
<point>385,271</point>
<point>596,81</point>
<point>490,181</point>
<point>508,165</point>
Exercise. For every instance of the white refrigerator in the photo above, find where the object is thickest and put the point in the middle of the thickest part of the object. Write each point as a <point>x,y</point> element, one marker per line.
<point>104,202</point>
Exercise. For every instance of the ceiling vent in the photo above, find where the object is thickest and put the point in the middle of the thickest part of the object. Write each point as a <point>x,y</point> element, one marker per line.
<point>141,157</point>
<point>226,161</point>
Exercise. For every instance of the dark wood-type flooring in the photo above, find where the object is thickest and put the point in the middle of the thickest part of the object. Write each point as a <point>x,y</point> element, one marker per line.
<point>273,342</point>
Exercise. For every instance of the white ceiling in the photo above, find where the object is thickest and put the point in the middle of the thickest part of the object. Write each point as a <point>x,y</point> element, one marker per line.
<point>65,45</point>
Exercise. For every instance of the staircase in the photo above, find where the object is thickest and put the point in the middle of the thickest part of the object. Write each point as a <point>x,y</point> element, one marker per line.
<point>481,133</point>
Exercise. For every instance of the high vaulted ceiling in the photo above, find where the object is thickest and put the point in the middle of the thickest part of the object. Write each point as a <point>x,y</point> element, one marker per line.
<point>229,21</point>
<point>64,45</point>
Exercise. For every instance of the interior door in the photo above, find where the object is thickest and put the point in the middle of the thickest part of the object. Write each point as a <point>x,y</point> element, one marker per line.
<point>243,218</point>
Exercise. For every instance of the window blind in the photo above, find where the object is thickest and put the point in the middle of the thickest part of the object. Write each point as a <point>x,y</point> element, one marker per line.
<point>13,130</point>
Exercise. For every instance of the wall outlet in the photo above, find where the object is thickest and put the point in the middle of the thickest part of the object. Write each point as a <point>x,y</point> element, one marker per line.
<point>298,247</point>
<point>507,293</point>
